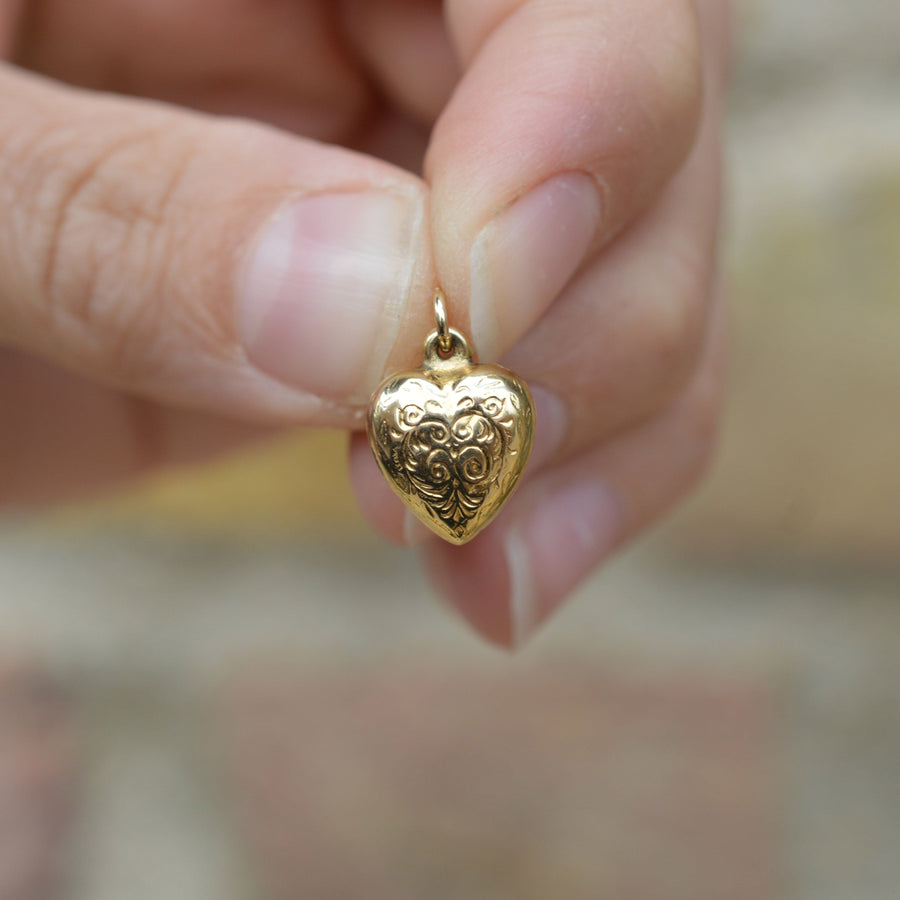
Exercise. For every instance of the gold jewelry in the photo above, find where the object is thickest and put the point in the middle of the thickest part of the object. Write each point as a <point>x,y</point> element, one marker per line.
<point>452,437</point>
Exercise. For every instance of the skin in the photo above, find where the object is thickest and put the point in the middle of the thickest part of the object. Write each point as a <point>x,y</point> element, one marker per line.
<point>126,228</point>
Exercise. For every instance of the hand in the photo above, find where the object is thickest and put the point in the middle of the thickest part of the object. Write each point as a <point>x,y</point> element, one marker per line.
<point>172,282</point>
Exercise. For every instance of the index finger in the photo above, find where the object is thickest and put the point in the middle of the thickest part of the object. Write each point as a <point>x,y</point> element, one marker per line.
<point>569,119</point>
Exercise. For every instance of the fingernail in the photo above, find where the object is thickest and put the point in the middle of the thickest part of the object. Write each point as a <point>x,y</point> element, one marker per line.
<point>321,296</point>
<point>559,542</point>
<point>523,258</point>
<point>551,425</point>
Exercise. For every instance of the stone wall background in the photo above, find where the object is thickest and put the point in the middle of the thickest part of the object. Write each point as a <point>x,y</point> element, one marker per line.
<point>199,697</point>
<point>810,464</point>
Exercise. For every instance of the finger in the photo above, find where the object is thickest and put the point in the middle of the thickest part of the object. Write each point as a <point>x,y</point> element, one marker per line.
<point>65,438</point>
<point>396,139</point>
<point>406,49</point>
<point>283,63</point>
<point>556,529</point>
<point>10,12</point>
<point>569,119</point>
<point>380,506</point>
<point>202,262</point>
<point>717,38</point>
<point>626,334</point>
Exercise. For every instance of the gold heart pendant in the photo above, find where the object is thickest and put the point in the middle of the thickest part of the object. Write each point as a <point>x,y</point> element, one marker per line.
<point>452,437</point>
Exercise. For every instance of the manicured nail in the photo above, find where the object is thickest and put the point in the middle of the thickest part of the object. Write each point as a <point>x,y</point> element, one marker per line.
<point>559,542</point>
<point>551,426</point>
<point>321,297</point>
<point>523,258</point>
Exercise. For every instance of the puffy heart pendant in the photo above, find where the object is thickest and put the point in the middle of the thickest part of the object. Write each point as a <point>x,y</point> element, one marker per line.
<point>452,437</point>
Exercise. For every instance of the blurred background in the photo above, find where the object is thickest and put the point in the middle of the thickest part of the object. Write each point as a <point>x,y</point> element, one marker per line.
<point>222,685</point>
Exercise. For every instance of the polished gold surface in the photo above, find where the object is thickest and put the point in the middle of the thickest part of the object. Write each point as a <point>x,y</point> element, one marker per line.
<point>452,437</point>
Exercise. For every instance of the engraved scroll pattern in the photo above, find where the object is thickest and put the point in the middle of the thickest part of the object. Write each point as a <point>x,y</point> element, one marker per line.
<point>451,448</point>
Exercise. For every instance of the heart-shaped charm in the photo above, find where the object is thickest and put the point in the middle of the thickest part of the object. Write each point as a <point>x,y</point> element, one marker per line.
<point>452,437</point>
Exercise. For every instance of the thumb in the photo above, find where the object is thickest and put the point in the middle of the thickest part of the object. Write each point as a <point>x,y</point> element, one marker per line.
<point>205,262</point>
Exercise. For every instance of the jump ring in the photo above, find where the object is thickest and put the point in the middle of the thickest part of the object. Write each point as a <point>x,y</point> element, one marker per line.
<point>445,340</point>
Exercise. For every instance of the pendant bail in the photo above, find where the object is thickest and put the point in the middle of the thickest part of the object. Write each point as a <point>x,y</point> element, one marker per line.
<point>445,339</point>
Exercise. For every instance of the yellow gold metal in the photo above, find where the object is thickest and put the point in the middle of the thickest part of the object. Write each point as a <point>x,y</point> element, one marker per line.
<point>440,320</point>
<point>452,438</point>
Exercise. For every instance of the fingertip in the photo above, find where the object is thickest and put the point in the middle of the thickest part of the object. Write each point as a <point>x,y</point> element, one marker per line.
<point>380,508</point>
<point>474,580</point>
<point>524,257</point>
<point>511,578</point>
<point>379,505</point>
<point>561,131</point>
<point>551,417</point>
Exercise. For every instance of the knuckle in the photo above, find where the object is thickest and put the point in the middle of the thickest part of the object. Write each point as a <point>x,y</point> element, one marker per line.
<point>701,412</point>
<point>673,79</point>
<point>673,326</point>
<point>680,68</point>
<point>705,432</point>
<point>105,244</point>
